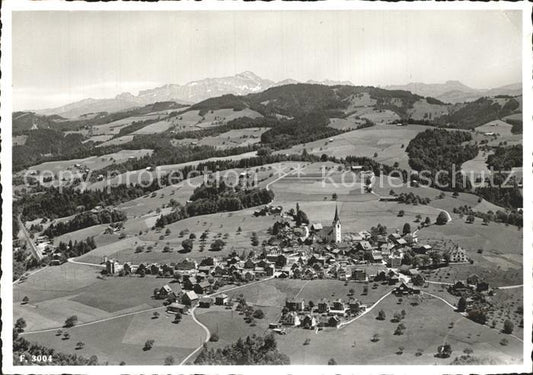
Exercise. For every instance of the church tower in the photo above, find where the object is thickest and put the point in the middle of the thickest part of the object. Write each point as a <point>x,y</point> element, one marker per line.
<point>336,227</point>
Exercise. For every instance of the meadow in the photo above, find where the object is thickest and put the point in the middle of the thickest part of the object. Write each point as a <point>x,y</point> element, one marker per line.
<point>387,141</point>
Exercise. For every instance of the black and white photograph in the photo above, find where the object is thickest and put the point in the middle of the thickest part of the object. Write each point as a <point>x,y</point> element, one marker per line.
<point>316,185</point>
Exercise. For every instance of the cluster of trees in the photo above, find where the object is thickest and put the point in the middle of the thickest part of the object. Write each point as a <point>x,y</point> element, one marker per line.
<point>505,158</point>
<point>410,198</point>
<point>75,249</point>
<point>254,350</point>
<point>165,153</point>
<point>53,202</point>
<point>473,114</point>
<point>439,150</point>
<point>510,197</point>
<point>210,199</point>
<point>304,129</point>
<point>47,144</point>
<point>136,125</point>
<point>517,125</point>
<point>85,220</point>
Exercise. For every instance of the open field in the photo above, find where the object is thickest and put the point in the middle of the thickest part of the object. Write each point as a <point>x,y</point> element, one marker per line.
<point>500,260</point>
<point>156,127</point>
<point>115,126</point>
<point>384,140</point>
<point>140,175</point>
<point>422,110</point>
<point>117,141</point>
<point>345,124</point>
<point>377,116</point>
<point>477,166</point>
<point>122,339</point>
<point>384,184</point>
<point>192,120</point>
<point>99,138</point>
<point>497,126</point>
<point>92,162</point>
<point>227,140</point>
<point>55,282</point>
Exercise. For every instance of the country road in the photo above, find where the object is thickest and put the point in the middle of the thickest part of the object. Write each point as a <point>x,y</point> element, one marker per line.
<point>71,260</point>
<point>267,187</point>
<point>35,252</point>
<point>366,311</point>
<point>208,334</point>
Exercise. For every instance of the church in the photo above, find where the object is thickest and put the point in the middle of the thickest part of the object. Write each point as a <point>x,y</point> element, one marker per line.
<point>335,232</point>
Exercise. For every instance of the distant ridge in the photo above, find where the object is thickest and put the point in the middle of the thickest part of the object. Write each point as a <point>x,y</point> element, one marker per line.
<point>455,91</point>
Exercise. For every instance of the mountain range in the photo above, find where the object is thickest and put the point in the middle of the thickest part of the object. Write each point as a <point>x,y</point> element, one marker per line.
<point>250,83</point>
<point>456,92</point>
<point>191,92</point>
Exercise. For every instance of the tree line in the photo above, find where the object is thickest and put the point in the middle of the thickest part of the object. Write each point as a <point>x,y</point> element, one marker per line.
<point>208,200</point>
<point>85,220</point>
<point>253,350</point>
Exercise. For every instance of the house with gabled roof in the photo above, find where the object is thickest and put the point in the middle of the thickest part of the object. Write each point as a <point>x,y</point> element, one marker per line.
<point>189,298</point>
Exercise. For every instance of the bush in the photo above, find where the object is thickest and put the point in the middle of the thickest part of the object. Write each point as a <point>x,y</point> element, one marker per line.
<point>169,361</point>
<point>508,327</point>
<point>71,321</point>
<point>442,218</point>
<point>148,345</point>
<point>259,314</point>
<point>214,337</point>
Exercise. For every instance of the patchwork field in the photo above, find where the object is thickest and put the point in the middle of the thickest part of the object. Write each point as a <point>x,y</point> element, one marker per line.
<point>384,140</point>
<point>122,339</point>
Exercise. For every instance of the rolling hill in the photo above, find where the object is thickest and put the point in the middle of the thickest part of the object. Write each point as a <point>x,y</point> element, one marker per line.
<point>455,91</point>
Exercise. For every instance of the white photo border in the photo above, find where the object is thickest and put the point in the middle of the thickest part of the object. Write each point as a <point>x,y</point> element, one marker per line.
<point>10,6</point>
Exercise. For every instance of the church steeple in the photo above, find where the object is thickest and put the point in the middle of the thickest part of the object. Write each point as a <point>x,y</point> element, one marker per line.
<point>336,230</point>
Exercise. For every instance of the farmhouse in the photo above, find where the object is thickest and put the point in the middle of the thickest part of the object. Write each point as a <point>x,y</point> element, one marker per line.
<point>221,299</point>
<point>323,306</point>
<point>309,321</point>
<point>295,304</point>
<point>458,255</point>
<point>177,308</point>
<point>189,298</point>
<point>290,319</point>
<point>359,274</point>
<point>202,287</point>
<point>205,302</point>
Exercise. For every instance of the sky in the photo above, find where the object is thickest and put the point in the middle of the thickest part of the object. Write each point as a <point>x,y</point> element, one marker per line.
<point>62,57</point>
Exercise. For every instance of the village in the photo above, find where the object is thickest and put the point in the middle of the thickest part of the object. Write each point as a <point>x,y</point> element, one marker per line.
<point>301,250</point>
